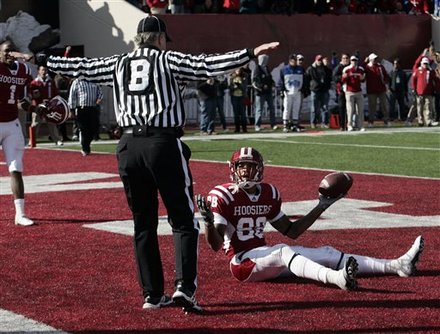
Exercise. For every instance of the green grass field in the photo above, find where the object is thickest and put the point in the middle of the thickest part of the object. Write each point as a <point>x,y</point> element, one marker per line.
<point>410,152</point>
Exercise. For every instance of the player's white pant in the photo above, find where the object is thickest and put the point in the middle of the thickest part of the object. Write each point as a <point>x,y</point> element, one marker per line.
<point>292,106</point>
<point>12,142</point>
<point>263,263</point>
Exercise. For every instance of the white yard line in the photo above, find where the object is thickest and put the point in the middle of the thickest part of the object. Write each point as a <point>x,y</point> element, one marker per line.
<point>11,322</point>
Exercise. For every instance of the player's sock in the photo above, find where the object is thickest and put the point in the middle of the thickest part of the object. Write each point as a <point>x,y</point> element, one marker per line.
<point>19,207</point>
<point>303,267</point>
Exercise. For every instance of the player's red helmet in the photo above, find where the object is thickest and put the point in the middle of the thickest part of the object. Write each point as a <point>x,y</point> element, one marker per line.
<point>56,110</point>
<point>251,155</point>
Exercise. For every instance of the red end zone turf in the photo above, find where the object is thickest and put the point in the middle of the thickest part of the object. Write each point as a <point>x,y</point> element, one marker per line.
<point>79,279</point>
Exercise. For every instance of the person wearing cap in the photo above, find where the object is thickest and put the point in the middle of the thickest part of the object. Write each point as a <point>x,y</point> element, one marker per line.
<point>320,77</point>
<point>290,84</point>
<point>425,83</point>
<point>149,107</point>
<point>352,77</point>
<point>377,79</point>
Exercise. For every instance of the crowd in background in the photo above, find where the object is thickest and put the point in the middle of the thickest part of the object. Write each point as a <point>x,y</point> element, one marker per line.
<point>355,92</point>
<point>289,7</point>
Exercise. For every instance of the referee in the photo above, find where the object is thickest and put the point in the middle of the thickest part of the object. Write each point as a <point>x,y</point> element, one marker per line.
<point>147,85</point>
<point>85,98</point>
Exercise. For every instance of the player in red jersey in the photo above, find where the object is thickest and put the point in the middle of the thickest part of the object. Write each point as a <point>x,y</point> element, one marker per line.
<point>236,213</point>
<point>15,78</point>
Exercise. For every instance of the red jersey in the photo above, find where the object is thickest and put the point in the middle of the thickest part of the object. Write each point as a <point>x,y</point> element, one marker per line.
<point>377,78</point>
<point>425,82</point>
<point>352,82</point>
<point>13,87</point>
<point>43,89</point>
<point>245,215</point>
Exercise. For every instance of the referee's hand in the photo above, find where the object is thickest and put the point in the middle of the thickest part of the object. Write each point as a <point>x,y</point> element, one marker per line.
<point>265,47</point>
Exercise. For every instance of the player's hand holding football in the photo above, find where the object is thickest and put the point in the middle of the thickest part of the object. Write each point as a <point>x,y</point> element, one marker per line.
<point>325,202</point>
<point>204,209</point>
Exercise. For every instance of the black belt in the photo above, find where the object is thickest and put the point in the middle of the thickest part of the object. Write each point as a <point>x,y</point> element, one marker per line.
<point>146,131</point>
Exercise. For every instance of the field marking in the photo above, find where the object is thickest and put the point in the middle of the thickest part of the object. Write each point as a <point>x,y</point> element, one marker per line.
<point>15,323</point>
<point>350,145</point>
<point>346,214</point>
<point>330,170</point>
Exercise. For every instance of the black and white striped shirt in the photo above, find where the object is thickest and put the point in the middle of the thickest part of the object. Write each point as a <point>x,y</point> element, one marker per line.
<point>84,93</point>
<point>147,83</point>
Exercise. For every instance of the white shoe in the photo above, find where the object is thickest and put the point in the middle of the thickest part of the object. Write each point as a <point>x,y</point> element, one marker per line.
<point>59,143</point>
<point>23,221</point>
<point>347,280</point>
<point>274,127</point>
<point>433,124</point>
<point>349,128</point>
<point>257,129</point>
<point>225,130</point>
<point>362,129</point>
<point>407,263</point>
<point>152,303</point>
<point>285,130</point>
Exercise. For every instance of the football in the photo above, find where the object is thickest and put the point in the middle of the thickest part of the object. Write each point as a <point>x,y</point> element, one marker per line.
<point>335,184</point>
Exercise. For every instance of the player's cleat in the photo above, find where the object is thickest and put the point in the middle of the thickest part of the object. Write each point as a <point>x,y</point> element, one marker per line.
<point>185,299</point>
<point>153,303</point>
<point>407,263</point>
<point>348,275</point>
<point>23,221</point>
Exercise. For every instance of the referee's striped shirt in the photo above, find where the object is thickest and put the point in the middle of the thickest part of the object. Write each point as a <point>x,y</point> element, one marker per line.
<point>84,93</point>
<point>147,83</point>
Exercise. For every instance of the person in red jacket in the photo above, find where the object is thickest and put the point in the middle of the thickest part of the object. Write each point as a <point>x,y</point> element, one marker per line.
<point>43,88</point>
<point>425,83</point>
<point>352,77</point>
<point>157,6</point>
<point>377,80</point>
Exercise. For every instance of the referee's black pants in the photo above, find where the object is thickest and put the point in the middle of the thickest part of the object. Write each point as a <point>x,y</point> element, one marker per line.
<point>87,120</point>
<point>148,164</point>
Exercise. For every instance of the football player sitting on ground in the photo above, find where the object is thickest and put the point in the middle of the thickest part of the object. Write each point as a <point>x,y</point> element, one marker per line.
<point>236,213</point>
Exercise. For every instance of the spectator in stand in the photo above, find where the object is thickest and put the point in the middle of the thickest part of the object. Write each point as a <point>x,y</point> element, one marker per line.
<point>340,93</point>
<point>43,88</point>
<point>85,98</point>
<point>425,83</point>
<point>206,6</point>
<point>263,83</point>
<point>399,91</point>
<point>377,79</point>
<point>292,77</point>
<point>352,77</point>
<point>238,84</point>
<point>231,6</point>
<point>177,6</point>
<point>157,6</point>
<point>417,7</point>
<point>320,82</point>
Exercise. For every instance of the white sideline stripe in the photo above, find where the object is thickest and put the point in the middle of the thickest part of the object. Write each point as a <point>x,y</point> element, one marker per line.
<point>330,170</point>
<point>346,214</point>
<point>353,145</point>
<point>16,323</point>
